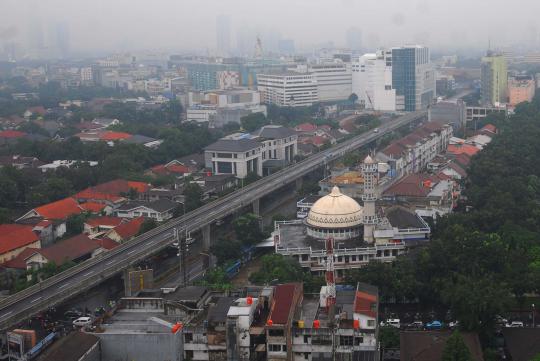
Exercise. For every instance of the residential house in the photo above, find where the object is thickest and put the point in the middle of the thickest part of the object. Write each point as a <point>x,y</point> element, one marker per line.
<point>56,212</point>
<point>74,249</point>
<point>428,195</point>
<point>160,210</point>
<point>20,162</point>
<point>15,238</point>
<point>96,208</point>
<point>114,193</point>
<point>11,136</point>
<point>95,225</point>
<point>148,142</point>
<point>125,231</point>
<point>173,168</point>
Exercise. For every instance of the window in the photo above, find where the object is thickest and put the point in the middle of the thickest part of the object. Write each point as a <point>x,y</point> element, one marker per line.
<point>224,155</point>
<point>188,337</point>
<point>358,341</point>
<point>277,348</point>
<point>306,338</point>
<point>345,340</point>
<point>224,167</point>
<point>273,332</point>
<point>371,323</point>
<point>247,154</point>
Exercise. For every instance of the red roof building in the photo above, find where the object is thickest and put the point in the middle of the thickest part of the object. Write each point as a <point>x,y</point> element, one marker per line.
<point>12,134</point>
<point>72,249</point>
<point>106,243</point>
<point>305,127</point>
<point>365,304</point>
<point>126,231</point>
<point>101,224</point>
<point>412,185</point>
<point>14,238</point>
<point>286,297</point>
<point>59,210</point>
<point>490,128</point>
<point>93,207</point>
<point>112,136</point>
<point>467,149</point>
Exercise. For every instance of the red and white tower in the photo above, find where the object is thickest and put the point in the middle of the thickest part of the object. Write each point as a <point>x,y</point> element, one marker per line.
<point>330,274</point>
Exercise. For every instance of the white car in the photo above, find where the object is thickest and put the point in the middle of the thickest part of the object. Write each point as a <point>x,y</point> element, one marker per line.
<point>376,130</point>
<point>394,322</point>
<point>515,324</point>
<point>82,321</point>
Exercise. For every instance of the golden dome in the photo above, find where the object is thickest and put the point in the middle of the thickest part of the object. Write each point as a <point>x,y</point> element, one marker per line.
<point>335,210</point>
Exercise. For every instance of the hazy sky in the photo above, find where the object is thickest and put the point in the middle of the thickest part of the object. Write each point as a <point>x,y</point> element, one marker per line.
<point>191,24</point>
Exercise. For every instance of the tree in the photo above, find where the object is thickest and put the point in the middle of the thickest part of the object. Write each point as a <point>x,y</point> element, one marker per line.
<point>277,268</point>
<point>455,349</point>
<point>217,279</point>
<point>75,224</point>
<point>193,196</point>
<point>253,121</point>
<point>5,215</point>
<point>250,178</point>
<point>226,250</point>
<point>147,225</point>
<point>353,98</point>
<point>247,229</point>
<point>389,337</point>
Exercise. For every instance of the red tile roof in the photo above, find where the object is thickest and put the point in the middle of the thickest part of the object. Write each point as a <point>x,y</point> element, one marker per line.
<point>283,303</point>
<point>462,159</point>
<point>38,109</point>
<point>92,207</point>
<point>106,243</point>
<point>490,128</point>
<point>11,134</point>
<point>15,236</point>
<point>412,185</point>
<point>61,209</point>
<point>121,186</point>
<point>365,304</point>
<point>104,221</point>
<point>318,140</point>
<point>110,135</point>
<point>305,127</point>
<point>67,250</point>
<point>129,229</point>
<point>88,126</point>
<point>468,149</point>
<point>90,193</point>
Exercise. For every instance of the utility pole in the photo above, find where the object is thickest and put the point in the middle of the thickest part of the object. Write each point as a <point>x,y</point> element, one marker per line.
<point>182,251</point>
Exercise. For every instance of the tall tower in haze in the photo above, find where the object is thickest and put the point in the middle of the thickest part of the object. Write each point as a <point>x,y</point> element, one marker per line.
<point>354,39</point>
<point>223,35</point>
<point>369,172</point>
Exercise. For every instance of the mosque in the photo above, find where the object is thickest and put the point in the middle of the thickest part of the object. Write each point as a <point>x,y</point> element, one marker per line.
<point>361,233</point>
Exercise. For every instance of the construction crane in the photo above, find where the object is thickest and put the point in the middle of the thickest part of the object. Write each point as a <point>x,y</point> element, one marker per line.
<point>375,112</point>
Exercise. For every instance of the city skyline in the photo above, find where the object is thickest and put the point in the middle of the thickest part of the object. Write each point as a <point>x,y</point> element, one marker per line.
<point>191,26</point>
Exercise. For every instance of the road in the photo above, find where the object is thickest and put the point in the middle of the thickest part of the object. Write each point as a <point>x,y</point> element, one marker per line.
<point>87,274</point>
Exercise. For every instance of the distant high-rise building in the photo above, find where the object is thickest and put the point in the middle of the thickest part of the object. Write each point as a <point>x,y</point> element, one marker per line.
<point>494,79</point>
<point>354,39</point>
<point>223,35</point>
<point>413,77</point>
<point>372,81</point>
<point>61,38</point>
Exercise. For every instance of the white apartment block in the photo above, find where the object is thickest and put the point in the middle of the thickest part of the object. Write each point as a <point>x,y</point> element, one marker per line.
<point>372,81</point>
<point>289,89</point>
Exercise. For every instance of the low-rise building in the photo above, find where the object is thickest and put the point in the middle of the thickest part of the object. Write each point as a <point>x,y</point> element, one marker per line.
<point>125,231</point>
<point>160,210</point>
<point>220,107</point>
<point>14,239</point>
<point>234,155</point>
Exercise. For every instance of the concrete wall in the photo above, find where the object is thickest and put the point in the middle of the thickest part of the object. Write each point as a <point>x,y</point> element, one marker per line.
<point>141,347</point>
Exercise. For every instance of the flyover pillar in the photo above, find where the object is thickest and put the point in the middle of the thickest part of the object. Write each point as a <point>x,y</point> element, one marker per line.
<point>299,183</point>
<point>127,283</point>
<point>257,206</point>
<point>206,237</point>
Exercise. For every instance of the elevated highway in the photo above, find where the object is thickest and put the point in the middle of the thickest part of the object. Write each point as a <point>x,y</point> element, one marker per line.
<point>90,273</point>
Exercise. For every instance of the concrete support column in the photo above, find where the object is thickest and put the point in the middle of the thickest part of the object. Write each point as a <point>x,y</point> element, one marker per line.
<point>127,284</point>
<point>257,206</point>
<point>299,183</point>
<point>206,237</point>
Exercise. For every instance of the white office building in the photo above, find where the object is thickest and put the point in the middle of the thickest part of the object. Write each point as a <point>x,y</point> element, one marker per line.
<point>372,81</point>
<point>288,89</point>
<point>334,80</point>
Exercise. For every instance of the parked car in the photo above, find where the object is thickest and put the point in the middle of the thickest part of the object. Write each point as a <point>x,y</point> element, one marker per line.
<point>416,325</point>
<point>454,324</point>
<point>82,321</point>
<point>376,130</point>
<point>394,322</point>
<point>434,325</point>
<point>515,324</point>
<point>73,313</point>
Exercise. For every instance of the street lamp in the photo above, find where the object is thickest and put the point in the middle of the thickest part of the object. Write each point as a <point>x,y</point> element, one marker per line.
<point>533,312</point>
